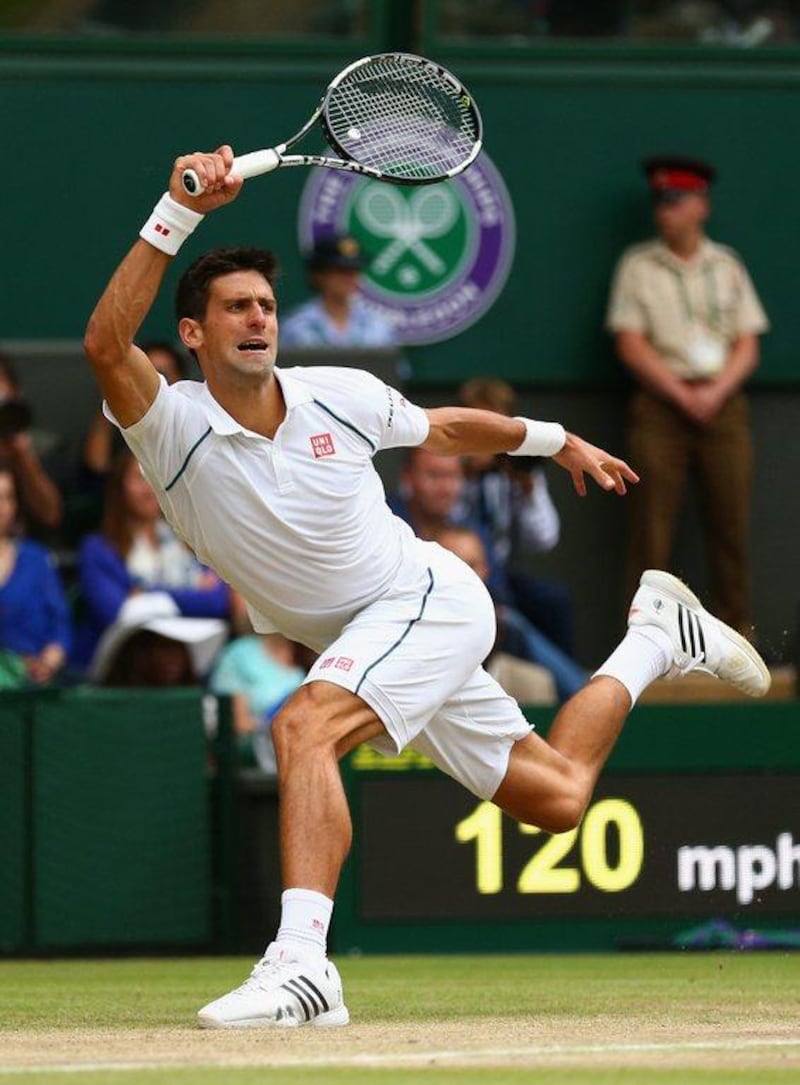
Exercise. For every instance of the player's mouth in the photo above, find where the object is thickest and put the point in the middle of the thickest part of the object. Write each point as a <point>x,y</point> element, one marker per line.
<point>253,346</point>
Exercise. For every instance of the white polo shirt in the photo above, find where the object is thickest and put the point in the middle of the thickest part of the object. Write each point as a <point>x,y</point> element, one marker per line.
<point>298,524</point>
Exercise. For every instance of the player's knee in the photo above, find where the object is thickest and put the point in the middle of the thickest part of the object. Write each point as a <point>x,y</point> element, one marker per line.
<point>564,816</point>
<point>299,728</point>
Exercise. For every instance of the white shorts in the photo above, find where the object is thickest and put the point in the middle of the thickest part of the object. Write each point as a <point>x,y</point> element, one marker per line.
<point>415,657</point>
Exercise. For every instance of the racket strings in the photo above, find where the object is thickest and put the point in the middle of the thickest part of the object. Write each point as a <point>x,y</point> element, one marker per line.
<point>403,119</point>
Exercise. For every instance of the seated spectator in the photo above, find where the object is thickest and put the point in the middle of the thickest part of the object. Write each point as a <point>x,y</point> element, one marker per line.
<point>20,451</point>
<point>136,550</point>
<point>429,500</point>
<point>259,671</point>
<point>34,617</point>
<point>528,683</point>
<point>508,496</point>
<point>151,644</point>
<point>103,440</point>
<point>338,316</point>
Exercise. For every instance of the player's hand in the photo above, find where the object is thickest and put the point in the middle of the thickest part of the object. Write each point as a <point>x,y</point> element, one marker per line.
<point>214,171</point>
<point>581,458</point>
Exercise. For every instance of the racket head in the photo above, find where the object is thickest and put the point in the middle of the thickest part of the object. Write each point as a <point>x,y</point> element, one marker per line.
<point>403,117</point>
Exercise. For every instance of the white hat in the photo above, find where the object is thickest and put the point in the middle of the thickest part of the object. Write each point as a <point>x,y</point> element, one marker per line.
<point>158,612</point>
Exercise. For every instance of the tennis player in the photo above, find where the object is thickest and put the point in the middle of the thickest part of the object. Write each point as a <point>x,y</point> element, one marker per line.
<point>267,474</point>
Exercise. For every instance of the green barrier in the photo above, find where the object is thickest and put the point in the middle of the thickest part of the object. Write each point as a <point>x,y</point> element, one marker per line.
<point>13,823</point>
<point>106,821</point>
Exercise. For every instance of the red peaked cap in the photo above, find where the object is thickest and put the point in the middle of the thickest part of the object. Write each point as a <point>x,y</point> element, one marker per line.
<point>672,176</point>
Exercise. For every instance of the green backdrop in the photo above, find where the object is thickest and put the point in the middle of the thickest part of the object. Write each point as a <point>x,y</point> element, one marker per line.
<point>91,129</point>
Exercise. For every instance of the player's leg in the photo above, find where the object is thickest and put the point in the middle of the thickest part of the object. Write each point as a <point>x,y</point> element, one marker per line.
<point>294,983</point>
<point>316,727</point>
<point>670,633</point>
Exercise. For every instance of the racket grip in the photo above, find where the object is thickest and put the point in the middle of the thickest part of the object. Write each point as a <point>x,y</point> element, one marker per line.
<point>246,165</point>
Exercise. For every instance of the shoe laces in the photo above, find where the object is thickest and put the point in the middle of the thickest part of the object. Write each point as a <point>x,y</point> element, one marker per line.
<point>266,973</point>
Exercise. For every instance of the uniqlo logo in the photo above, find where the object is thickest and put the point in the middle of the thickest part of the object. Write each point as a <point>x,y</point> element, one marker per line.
<point>343,663</point>
<point>327,662</point>
<point>322,445</point>
<point>161,229</point>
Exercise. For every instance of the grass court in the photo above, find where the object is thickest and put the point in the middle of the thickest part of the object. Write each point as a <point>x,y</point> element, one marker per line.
<point>586,1020</point>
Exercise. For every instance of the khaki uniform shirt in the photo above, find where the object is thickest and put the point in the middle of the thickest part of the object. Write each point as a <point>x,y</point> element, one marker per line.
<point>691,311</point>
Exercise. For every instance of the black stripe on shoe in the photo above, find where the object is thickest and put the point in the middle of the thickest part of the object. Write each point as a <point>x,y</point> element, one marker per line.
<point>312,990</point>
<point>682,626</point>
<point>294,988</point>
<point>702,639</point>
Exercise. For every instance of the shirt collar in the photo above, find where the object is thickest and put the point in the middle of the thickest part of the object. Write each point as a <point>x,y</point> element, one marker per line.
<point>223,424</point>
<point>666,256</point>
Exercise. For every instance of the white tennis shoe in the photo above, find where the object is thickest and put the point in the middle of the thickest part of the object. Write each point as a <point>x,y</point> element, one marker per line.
<point>281,993</point>
<point>700,641</point>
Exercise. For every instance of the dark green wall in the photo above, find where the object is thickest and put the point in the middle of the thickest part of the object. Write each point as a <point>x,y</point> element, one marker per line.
<point>91,130</point>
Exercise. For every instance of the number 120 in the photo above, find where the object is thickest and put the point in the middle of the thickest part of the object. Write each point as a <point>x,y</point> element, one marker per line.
<point>542,873</point>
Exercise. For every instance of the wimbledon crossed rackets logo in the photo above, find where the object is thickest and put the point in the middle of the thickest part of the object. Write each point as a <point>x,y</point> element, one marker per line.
<point>437,257</point>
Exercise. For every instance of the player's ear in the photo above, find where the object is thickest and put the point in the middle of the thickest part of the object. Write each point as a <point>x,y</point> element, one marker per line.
<point>191,332</point>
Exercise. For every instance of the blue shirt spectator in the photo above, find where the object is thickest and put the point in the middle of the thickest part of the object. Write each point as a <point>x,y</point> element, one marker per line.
<point>138,551</point>
<point>338,315</point>
<point>34,617</point>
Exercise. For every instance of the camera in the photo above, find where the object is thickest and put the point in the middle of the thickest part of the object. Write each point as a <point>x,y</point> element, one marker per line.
<point>16,416</point>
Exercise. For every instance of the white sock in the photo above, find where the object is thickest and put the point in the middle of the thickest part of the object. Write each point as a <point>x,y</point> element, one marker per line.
<point>305,918</point>
<point>643,655</point>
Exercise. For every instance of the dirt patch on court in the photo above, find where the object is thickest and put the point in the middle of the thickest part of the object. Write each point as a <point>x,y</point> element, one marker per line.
<point>566,1041</point>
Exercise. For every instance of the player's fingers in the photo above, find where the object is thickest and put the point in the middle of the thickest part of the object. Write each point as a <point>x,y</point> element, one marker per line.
<point>579,482</point>
<point>226,154</point>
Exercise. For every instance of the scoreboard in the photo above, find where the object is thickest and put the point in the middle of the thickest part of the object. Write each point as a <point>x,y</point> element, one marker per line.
<point>697,817</point>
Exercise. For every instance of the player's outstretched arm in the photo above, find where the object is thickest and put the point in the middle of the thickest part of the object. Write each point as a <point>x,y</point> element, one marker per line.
<point>458,431</point>
<point>127,378</point>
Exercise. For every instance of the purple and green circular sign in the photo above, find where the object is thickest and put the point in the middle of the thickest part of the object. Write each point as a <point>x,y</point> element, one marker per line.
<point>436,256</point>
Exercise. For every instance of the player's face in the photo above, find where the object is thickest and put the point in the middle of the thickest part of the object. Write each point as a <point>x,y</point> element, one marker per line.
<point>239,331</point>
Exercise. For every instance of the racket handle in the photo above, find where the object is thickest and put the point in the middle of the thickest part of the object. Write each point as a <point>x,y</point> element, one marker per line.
<point>246,165</point>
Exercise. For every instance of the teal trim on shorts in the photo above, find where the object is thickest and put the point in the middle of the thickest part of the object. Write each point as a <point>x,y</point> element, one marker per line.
<point>400,639</point>
<point>189,455</point>
<point>349,425</point>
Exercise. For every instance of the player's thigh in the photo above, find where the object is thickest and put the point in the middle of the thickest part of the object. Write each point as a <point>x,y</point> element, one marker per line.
<point>472,735</point>
<point>407,654</point>
<point>322,715</point>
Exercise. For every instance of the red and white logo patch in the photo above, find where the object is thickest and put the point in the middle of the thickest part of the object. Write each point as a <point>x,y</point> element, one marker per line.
<point>322,445</point>
<point>161,229</point>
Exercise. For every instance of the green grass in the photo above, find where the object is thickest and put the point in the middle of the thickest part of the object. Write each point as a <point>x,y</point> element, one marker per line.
<point>552,996</point>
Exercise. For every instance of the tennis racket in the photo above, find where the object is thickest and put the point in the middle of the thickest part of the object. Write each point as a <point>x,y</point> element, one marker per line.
<point>394,116</point>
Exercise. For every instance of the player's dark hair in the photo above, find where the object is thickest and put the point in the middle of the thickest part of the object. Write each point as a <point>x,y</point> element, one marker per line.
<point>191,297</point>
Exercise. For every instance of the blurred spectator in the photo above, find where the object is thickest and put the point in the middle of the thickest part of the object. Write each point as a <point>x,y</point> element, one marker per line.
<point>259,671</point>
<point>34,618</point>
<point>136,550</point>
<point>430,492</point>
<point>509,497</point>
<point>686,322</point>
<point>20,451</point>
<point>528,683</point>
<point>337,316</point>
<point>103,440</point>
<point>151,644</point>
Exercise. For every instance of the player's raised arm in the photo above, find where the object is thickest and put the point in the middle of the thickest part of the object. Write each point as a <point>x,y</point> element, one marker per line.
<point>126,376</point>
<point>459,431</point>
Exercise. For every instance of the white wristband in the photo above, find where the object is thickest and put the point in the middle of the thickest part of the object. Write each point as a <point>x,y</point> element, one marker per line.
<point>169,225</point>
<point>541,438</point>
